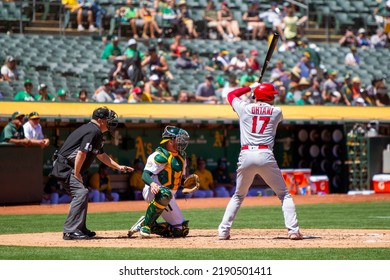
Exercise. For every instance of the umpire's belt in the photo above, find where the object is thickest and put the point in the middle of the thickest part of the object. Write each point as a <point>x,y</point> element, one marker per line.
<point>259,147</point>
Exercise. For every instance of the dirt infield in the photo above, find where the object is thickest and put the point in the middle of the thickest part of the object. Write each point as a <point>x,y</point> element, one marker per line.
<point>241,238</point>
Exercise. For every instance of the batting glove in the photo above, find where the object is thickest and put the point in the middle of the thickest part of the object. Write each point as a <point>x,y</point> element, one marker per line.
<point>254,85</point>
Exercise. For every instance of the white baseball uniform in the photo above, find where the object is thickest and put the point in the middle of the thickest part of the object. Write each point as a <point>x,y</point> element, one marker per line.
<point>258,124</point>
<point>172,213</point>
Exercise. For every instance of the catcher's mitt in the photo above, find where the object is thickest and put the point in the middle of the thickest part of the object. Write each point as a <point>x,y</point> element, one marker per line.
<point>191,184</point>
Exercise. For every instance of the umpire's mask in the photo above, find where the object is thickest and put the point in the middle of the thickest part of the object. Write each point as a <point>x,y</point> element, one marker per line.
<point>109,115</point>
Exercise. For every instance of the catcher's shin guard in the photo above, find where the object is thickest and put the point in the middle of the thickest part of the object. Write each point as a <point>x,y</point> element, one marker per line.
<point>157,206</point>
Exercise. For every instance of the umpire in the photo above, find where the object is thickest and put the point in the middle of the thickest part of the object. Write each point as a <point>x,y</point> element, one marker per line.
<point>74,158</point>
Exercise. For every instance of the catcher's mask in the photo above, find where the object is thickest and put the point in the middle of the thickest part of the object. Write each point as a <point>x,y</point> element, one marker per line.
<point>107,114</point>
<point>264,92</point>
<point>180,135</point>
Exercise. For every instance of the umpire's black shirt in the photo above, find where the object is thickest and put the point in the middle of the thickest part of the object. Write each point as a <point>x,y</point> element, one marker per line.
<point>87,138</point>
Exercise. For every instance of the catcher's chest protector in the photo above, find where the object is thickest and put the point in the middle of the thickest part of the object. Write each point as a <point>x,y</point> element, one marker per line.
<point>170,177</point>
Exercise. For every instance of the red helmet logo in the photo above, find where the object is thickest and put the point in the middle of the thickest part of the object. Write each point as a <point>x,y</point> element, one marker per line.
<point>265,92</point>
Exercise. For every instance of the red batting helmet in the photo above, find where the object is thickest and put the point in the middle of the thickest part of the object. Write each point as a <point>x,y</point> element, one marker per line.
<point>265,92</point>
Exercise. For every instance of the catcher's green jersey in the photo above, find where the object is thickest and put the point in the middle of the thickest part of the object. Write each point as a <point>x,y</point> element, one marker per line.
<point>167,168</point>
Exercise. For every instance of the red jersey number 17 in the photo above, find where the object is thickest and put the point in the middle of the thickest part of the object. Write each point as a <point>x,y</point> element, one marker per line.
<point>261,119</point>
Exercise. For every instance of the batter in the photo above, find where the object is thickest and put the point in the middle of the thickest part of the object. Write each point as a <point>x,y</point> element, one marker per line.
<point>258,124</point>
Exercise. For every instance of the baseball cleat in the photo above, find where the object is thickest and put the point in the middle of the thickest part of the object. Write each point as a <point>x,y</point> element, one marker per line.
<point>89,233</point>
<point>136,227</point>
<point>227,237</point>
<point>295,236</point>
<point>145,232</point>
<point>77,235</point>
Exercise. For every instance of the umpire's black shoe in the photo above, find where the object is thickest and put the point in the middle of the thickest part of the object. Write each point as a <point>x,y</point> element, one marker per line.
<point>77,235</point>
<point>89,233</point>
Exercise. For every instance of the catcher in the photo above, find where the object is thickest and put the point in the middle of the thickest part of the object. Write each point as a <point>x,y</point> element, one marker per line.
<point>163,174</point>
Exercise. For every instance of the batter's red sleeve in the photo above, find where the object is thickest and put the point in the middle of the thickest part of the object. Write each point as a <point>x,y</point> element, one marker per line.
<point>237,93</point>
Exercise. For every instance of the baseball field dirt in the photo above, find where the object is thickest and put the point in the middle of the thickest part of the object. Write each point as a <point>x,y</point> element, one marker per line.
<point>241,238</point>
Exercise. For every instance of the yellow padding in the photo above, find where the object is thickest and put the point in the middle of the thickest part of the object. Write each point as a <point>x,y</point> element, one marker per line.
<point>158,205</point>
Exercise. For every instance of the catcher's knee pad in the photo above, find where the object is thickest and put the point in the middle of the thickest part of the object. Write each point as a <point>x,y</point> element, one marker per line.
<point>163,197</point>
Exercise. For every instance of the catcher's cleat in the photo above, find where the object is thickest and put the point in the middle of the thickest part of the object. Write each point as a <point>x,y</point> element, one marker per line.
<point>145,232</point>
<point>136,227</point>
<point>227,237</point>
<point>295,236</point>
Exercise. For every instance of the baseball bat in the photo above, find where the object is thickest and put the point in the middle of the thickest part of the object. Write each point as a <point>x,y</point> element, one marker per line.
<point>270,51</point>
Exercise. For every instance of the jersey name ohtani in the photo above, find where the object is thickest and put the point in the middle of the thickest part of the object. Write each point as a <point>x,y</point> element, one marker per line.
<point>257,110</point>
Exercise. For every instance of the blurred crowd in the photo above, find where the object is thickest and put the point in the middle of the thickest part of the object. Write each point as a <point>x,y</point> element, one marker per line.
<point>147,76</point>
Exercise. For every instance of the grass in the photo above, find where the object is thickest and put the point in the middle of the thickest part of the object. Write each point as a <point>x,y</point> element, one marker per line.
<point>368,215</point>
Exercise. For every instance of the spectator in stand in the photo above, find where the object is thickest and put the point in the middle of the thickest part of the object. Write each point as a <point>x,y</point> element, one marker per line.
<point>220,60</point>
<point>229,86</point>
<point>112,50</point>
<point>379,39</point>
<point>304,65</point>
<point>54,193</point>
<point>8,70</point>
<point>199,64</point>
<point>13,132</point>
<point>152,88</point>
<point>206,188</point>
<point>280,99</point>
<point>211,18</point>
<point>253,61</point>
<point>104,93</point>
<point>273,17</point>
<point>166,93</point>
<point>80,8</point>
<point>26,94</point>
<point>156,64</point>
<point>62,95</point>
<point>362,40</point>
<point>334,99</point>
<point>139,96</point>
<point>205,92</point>
<point>254,24</point>
<point>304,100</point>
<point>183,61</point>
<point>33,131</point>
<point>185,17</point>
<point>378,91</point>
<point>176,46</point>
<point>248,78</point>
<point>329,85</point>
<point>82,96</point>
<point>315,92</point>
<point>132,64</point>
<point>172,16</point>
<point>239,63</point>
<point>314,58</point>
<point>125,14</point>
<point>150,25</point>
<point>280,72</point>
<point>228,26</point>
<point>346,90</point>
<point>183,97</point>
<point>349,39</point>
<point>223,185</point>
<point>120,95</point>
<point>135,180</point>
<point>352,58</point>
<point>100,184</point>
<point>162,48</point>
<point>356,89</point>
<point>292,25</point>
<point>43,95</point>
